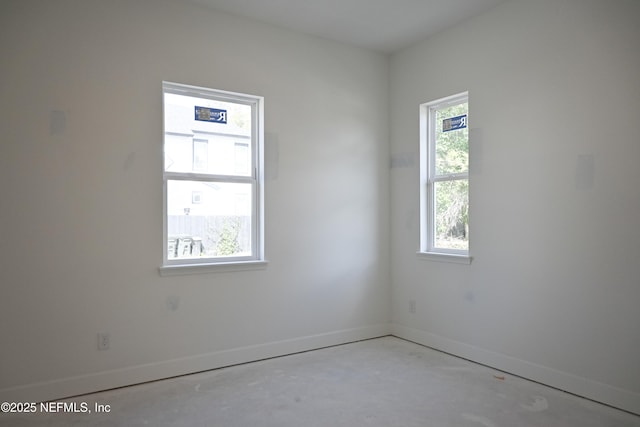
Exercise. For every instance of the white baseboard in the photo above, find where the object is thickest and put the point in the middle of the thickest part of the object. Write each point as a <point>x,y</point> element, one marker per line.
<point>620,398</point>
<point>84,384</point>
<point>73,386</point>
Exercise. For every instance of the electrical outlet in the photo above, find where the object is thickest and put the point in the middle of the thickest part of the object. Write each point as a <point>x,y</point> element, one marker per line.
<point>103,341</point>
<point>412,306</point>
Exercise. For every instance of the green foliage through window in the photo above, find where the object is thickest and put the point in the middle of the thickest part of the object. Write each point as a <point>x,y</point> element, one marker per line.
<point>228,242</point>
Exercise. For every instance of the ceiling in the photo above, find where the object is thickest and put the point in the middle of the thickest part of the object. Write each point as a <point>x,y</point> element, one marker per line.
<point>381,25</point>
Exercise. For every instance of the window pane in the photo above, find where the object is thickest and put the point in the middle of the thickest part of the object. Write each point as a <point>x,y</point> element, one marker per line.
<point>452,214</point>
<point>208,219</point>
<point>201,135</point>
<point>452,139</point>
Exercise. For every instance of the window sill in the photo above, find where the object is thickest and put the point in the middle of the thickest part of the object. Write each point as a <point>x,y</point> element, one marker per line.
<point>443,257</point>
<point>183,269</point>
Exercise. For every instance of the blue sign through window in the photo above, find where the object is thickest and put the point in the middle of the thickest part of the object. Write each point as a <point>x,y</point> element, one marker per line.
<point>454,123</point>
<point>215,115</point>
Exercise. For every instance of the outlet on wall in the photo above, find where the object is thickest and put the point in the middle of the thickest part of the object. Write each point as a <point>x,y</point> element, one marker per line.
<point>103,341</point>
<point>412,306</point>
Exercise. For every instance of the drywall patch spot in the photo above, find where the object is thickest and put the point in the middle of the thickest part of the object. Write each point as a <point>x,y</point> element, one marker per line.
<point>173,302</point>
<point>585,172</point>
<point>539,404</point>
<point>128,163</point>
<point>402,160</point>
<point>469,296</point>
<point>57,122</point>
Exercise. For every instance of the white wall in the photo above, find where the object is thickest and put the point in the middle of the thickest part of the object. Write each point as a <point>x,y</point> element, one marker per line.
<point>554,287</point>
<point>81,199</point>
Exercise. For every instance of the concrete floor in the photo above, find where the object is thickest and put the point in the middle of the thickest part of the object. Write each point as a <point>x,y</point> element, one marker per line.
<point>384,382</point>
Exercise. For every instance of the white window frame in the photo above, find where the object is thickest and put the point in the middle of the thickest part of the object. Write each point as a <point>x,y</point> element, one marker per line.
<point>256,260</point>
<point>428,178</point>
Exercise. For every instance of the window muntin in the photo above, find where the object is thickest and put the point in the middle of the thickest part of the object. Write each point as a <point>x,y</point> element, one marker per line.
<point>444,153</point>
<point>212,208</point>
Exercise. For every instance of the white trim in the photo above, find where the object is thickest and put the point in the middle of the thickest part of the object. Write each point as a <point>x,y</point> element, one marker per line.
<point>204,268</point>
<point>445,257</point>
<point>256,260</point>
<point>257,151</point>
<point>205,92</point>
<point>627,400</point>
<point>195,176</point>
<point>83,384</point>
<point>451,177</point>
<point>428,178</point>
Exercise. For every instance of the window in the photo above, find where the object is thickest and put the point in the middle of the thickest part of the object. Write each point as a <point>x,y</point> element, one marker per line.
<point>212,173</point>
<point>444,171</point>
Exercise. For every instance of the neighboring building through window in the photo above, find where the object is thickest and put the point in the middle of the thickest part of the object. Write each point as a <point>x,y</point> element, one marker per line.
<point>444,171</point>
<point>206,174</point>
